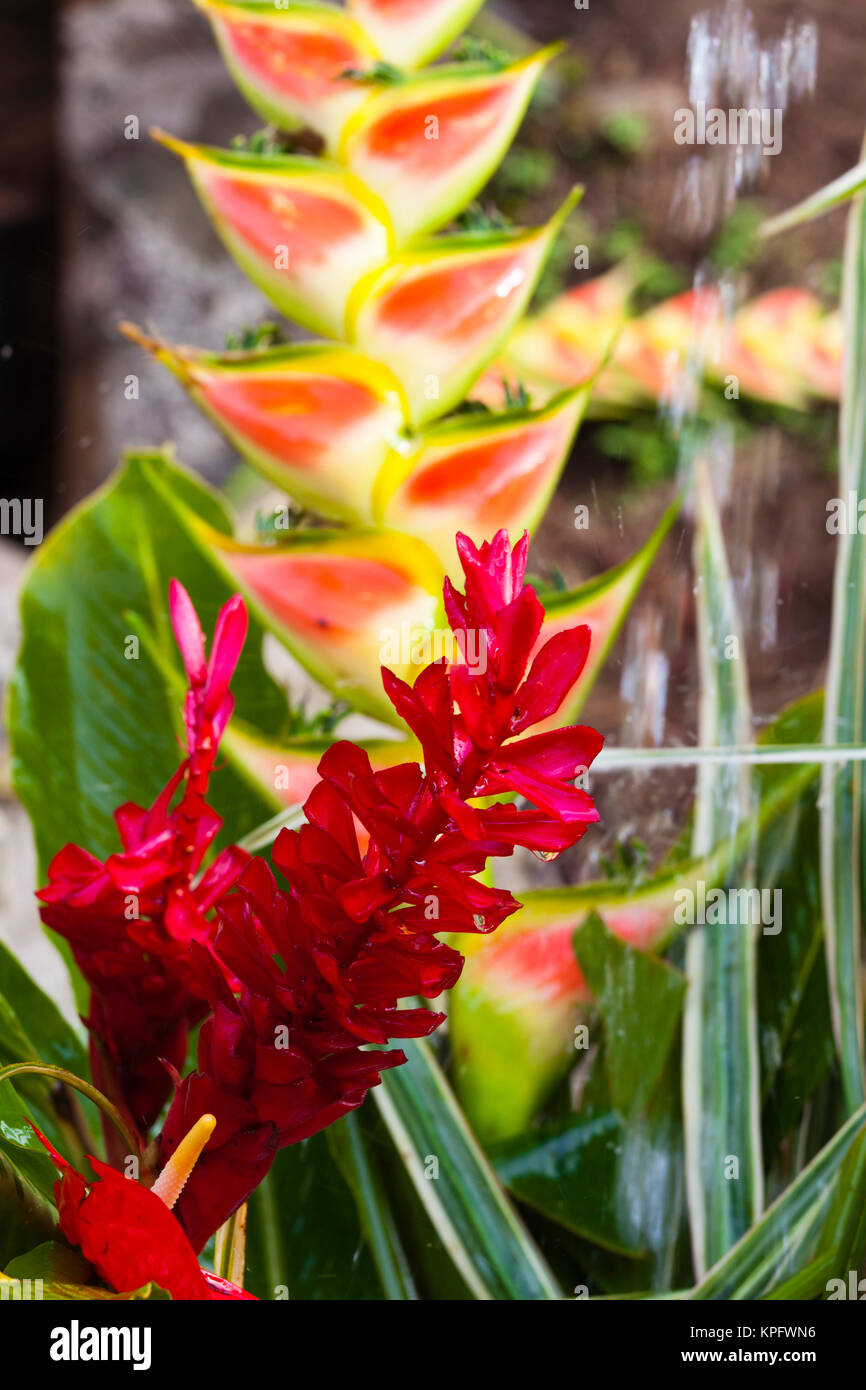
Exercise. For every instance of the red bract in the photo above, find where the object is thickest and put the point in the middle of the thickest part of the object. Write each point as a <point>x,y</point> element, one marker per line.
<point>131,920</point>
<point>323,964</point>
<point>129,1234</point>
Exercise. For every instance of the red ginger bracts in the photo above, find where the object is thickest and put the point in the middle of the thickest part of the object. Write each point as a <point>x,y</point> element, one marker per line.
<point>323,963</point>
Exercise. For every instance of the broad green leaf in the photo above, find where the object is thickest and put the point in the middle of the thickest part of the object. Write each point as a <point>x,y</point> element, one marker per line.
<point>91,722</point>
<point>54,1273</point>
<point>472,1216</point>
<point>639,998</point>
<point>54,1262</point>
<point>49,1034</point>
<point>613,1180</point>
<point>721,1074</point>
<point>304,1239</point>
<point>842,787</point>
<point>783,1241</point>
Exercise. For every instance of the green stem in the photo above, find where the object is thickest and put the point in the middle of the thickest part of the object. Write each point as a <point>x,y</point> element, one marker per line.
<point>84,1087</point>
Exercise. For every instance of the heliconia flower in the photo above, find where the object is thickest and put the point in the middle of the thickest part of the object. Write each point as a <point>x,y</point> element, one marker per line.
<point>131,920</point>
<point>127,1231</point>
<point>782,347</point>
<point>427,145</point>
<point>411,32</point>
<point>303,229</point>
<point>340,601</point>
<point>317,421</point>
<point>566,342</point>
<point>439,311</point>
<point>323,964</point>
<point>289,62</point>
<point>512,1014</point>
<point>481,471</point>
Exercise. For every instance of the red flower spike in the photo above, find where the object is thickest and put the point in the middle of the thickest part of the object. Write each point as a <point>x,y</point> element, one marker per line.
<point>129,1234</point>
<point>323,964</point>
<point>131,920</point>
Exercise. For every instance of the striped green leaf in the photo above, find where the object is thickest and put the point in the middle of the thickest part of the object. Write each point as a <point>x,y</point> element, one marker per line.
<point>463,1199</point>
<point>721,1082</point>
<point>845,704</point>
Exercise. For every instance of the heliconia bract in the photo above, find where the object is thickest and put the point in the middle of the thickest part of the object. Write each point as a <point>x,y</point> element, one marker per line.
<point>288,61</point>
<point>317,421</point>
<point>304,230</point>
<point>427,145</point>
<point>343,602</point>
<point>411,32</point>
<point>473,469</point>
<point>440,310</point>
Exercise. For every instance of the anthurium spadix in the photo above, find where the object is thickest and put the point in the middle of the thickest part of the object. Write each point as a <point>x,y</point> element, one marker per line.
<point>304,230</point>
<point>442,309</point>
<point>479,473</point>
<point>317,420</point>
<point>411,32</point>
<point>427,145</point>
<point>289,60</point>
<point>344,603</point>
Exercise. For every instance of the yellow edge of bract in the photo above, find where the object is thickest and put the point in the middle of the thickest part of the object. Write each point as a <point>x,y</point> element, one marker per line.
<point>311,17</point>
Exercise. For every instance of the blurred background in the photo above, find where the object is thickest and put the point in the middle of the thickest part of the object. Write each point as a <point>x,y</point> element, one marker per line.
<point>97,224</point>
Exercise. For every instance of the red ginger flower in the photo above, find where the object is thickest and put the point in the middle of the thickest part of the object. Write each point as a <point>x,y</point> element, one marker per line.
<point>131,920</point>
<point>323,965</point>
<point>128,1233</point>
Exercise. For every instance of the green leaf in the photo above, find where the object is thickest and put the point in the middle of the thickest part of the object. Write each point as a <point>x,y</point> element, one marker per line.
<point>783,1242</point>
<point>721,1075</point>
<point>52,1261</point>
<point>51,1037</point>
<point>842,788</point>
<point>838,191</point>
<point>640,998</point>
<point>844,1233</point>
<point>21,1145</point>
<point>472,1217</point>
<point>352,1150</point>
<point>304,1239</point>
<point>615,1181</point>
<point>26,1216</point>
<point>92,725</point>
